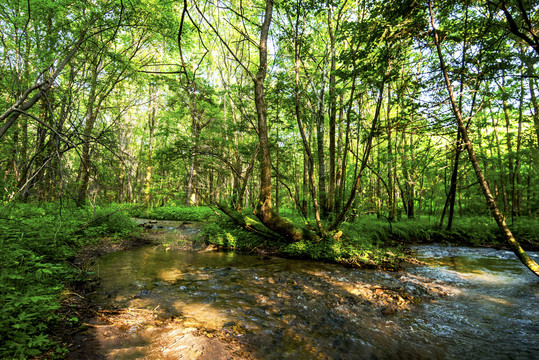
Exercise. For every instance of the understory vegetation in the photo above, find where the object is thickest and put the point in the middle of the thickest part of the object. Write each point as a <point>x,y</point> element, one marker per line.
<point>353,250</point>
<point>171,212</point>
<point>373,242</point>
<point>38,243</point>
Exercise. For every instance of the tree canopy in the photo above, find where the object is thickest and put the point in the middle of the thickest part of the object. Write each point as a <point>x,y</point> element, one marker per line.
<point>330,108</point>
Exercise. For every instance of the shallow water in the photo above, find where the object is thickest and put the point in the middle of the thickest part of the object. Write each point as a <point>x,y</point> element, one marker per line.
<point>493,311</point>
<point>477,303</point>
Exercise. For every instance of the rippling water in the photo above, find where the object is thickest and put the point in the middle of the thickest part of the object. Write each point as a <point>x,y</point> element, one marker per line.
<point>494,311</point>
<point>481,303</point>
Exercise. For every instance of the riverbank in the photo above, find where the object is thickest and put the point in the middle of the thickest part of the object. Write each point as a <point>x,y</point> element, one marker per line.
<point>41,288</point>
<point>361,237</point>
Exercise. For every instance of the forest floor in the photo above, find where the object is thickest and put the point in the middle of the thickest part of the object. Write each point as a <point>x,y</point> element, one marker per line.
<point>104,327</point>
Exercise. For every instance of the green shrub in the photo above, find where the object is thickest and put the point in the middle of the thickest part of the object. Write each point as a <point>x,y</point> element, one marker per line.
<point>108,221</point>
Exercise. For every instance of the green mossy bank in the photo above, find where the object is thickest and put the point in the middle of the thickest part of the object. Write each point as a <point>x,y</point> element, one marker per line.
<point>369,242</point>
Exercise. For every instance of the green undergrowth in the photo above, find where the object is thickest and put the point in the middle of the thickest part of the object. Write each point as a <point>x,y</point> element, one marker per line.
<point>470,231</point>
<point>180,213</point>
<point>350,249</point>
<point>369,241</point>
<point>37,241</point>
<point>224,233</point>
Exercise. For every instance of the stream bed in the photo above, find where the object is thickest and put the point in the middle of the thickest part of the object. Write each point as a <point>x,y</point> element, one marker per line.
<point>177,304</point>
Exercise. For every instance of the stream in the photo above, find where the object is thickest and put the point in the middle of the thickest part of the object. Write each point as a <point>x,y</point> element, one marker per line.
<point>162,303</point>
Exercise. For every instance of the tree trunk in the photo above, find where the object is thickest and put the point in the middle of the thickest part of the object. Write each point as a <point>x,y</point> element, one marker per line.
<point>264,210</point>
<point>454,177</point>
<point>408,172</point>
<point>516,186</point>
<point>191,193</point>
<point>191,196</point>
<point>90,117</point>
<point>332,114</point>
<point>235,201</point>
<point>390,183</point>
<point>151,130</point>
<point>320,134</point>
<point>277,175</point>
<point>510,163</point>
<point>458,147</point>
<point>535,103</point>
<point>501,171</point>
<point>340,176</point>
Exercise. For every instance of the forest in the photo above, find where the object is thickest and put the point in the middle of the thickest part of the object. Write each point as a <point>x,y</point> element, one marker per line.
<point>300,122</point>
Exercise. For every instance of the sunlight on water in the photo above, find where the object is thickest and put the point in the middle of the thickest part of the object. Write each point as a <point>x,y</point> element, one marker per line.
<point>203,313</point>
<point>170,275</point>
<point>487,277</point>
<point>498,300</point>
<point>483,304</point>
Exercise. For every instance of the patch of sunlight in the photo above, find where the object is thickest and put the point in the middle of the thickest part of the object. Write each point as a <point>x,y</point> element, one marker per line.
<point>497,300</point>
<point>431,285</point>
<point>318,273</point>
<point>170,275</point>
<point>312,290</point>
<point>357,291</point>
<point>486,277</point>
<point>204,314</point>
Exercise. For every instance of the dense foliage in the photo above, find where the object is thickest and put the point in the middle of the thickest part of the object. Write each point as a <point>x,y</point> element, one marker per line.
<point>37,245</point>
<point>133,117</point>
<point>171,212</point>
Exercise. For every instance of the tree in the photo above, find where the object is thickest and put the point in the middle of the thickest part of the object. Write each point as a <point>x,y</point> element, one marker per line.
<point>491,203</point>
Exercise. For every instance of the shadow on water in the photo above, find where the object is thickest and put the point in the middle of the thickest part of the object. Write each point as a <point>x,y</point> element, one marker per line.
<point>217,305</point>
